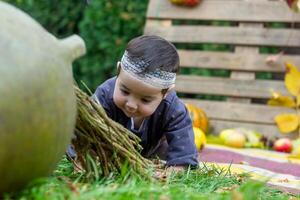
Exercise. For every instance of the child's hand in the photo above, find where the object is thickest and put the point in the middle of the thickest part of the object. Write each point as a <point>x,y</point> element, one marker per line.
<point>163,174</point>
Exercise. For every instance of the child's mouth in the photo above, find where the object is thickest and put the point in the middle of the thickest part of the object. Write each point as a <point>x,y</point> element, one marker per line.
<point>130,114</point>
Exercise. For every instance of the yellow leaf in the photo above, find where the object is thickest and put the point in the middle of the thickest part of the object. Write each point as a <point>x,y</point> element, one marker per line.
<point>287,122</point>
<point>298,100</point>
<point>292,79</point>
<point>280,100</point>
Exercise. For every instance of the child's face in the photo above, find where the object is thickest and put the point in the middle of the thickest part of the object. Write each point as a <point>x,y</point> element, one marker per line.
<point>134,97</point>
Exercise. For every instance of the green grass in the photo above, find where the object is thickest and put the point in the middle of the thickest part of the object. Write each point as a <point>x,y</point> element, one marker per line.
<point>203,183</point>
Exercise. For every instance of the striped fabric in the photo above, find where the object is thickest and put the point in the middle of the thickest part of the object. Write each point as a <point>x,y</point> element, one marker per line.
<point>274,168</point>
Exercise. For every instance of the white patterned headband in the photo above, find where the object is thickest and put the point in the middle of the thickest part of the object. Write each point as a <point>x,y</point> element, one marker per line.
<point>157,78</point>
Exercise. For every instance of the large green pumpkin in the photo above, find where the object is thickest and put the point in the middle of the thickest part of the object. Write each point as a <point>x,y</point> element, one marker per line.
<point>37,100</point>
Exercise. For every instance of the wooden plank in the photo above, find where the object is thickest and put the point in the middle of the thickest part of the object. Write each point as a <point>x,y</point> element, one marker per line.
<point>242,75</point>
<point>230,114</point>
<point>246,50</point>
<point>227,35</point>
<point>223,86</point>
<point>239,112</point>
<point>269,131</point>
<point>238,75</point>
<point>228,10</point>
<point>164,23</point>
<point>234,61</point>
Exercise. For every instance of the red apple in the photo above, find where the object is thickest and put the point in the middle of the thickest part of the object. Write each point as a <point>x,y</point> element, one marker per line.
<point>191,3</point>
<point>294,4</point>
<point>283,145</point>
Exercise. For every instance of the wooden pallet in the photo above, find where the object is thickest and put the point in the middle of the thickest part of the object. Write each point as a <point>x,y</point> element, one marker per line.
<point>248,32</point>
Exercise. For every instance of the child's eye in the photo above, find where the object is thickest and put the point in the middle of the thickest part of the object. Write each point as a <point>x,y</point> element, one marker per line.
<point>124,92</point>
<point>146,101</point>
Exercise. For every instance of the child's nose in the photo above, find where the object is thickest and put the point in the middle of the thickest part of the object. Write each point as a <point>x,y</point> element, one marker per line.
<point>132,105</point>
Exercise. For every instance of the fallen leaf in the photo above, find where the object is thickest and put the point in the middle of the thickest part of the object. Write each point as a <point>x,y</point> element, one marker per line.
<point>287,122</point>
<point>284,180</point>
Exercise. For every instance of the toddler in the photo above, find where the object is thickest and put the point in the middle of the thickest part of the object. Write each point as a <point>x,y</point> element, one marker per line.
<point>142,99</point>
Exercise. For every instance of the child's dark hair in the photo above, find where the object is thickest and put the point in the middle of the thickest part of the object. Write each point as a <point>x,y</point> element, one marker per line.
<point>156,51</point>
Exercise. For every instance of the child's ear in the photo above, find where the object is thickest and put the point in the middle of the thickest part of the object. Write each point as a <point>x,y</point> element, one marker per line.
<point>171,88</point>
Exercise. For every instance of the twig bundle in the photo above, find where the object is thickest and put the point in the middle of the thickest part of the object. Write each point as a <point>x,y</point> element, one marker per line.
<point>104,140</point>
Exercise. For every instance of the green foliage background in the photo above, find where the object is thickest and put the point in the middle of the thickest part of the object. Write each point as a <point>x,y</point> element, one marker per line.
<point>105,25</point>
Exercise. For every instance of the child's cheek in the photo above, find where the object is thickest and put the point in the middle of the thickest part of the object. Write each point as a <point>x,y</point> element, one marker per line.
<point>118,99</point>
<point>149,110</point>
